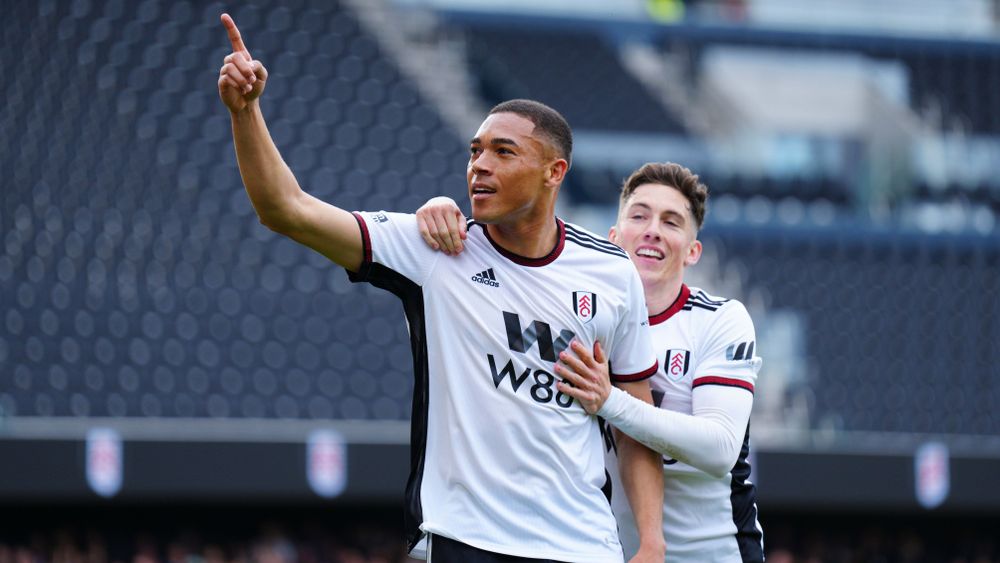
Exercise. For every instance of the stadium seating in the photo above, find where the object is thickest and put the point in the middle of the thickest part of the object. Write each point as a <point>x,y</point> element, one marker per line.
<point>135,279</point>
<point>576,71</point>
<point>948,76</point>
<point>901,328</point>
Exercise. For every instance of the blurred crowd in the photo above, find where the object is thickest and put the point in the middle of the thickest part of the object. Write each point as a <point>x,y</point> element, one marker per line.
<point>63,546</point>
<point>197,539</point>
<point>377,538</point>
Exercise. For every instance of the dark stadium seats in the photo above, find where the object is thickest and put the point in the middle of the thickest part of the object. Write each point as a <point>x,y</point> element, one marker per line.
<point>135,279</point>
<point>901,329</point>
<point>955,77</point>
<point>578,72</point>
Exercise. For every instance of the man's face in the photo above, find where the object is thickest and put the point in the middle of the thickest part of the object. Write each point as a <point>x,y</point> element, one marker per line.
<point>658,230</point>
<point>508,169</point>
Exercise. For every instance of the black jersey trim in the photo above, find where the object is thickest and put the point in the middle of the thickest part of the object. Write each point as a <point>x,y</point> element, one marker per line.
<point>690,304</point>
<point>598,248</point>
<point>743,499</point>
<point>589,240</point>
<point>412,297</point>
<point>702,297</point>
<point>524,260</point>
<point>700,300</point>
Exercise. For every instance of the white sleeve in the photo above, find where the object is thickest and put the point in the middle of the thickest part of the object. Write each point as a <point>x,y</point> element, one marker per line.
<point>727,350</point>
<point>393,240</point>
<point>711,437</point>
<point>630,352</point>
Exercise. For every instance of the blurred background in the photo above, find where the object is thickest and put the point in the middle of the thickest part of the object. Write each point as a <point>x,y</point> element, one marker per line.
<point>179,384</point>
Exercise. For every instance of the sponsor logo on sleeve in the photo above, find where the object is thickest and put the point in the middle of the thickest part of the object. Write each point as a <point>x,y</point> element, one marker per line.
<point>742,351</point>
<point>380,217</point>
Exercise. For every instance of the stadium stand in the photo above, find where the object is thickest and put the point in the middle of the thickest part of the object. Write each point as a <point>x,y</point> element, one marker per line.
<point>136,281</point>
<point>576,71</point>
<point>951,77</point>
<point>950,87</point>
<point>900,327</point>
<point>137,284</point>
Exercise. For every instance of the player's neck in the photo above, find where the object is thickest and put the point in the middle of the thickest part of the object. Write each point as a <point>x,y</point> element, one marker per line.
<point>661,294</point>
<point>531,239</point>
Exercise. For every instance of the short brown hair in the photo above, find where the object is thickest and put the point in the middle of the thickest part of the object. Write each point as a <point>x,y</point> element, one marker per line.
<point>672,175</point>
<point>548,122</point>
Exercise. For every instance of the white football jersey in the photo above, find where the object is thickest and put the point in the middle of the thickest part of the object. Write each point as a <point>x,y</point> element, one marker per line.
<point>701,341</point>
<point>500,459</point>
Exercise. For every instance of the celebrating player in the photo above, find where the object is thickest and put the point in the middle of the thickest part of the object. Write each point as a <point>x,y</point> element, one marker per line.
<point>705,382</point>
<point>505,466</point>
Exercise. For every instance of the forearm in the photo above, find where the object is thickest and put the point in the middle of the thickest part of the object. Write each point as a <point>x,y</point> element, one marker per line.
<point>641,472</point>
<point>270,184</point>
<point>710,440</point>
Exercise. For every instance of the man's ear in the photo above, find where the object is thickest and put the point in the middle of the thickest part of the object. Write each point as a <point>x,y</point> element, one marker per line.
<point>613,235</point>
<point>556,172</point>
<point>694,253</point>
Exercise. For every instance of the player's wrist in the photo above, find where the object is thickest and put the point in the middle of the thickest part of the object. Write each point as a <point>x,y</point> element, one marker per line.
<point>653,547</point>
<point>613,404</point>
<point>246,113</point>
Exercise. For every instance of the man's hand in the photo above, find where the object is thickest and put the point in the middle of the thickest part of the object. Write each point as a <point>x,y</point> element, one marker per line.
<point>241,79</point>
<point>442,225</point>
<point>585,376</point>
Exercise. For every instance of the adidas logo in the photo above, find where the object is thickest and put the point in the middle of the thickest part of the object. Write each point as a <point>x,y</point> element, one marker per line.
<point>486,277</point>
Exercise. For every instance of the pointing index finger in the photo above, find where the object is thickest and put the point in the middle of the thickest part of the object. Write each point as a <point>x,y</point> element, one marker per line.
<point>234,35</point>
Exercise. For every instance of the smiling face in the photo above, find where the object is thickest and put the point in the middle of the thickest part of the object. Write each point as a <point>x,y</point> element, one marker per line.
<point>513,175</point>
<point>658,230</point>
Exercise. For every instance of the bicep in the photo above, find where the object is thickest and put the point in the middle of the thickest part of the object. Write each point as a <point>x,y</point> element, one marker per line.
<point>329,230</point>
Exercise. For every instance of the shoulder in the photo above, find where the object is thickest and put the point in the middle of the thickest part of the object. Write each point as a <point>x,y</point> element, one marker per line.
<point>717,311</point>
<point>385,220</point>
<point>586,241</point>
<point>701,300</point>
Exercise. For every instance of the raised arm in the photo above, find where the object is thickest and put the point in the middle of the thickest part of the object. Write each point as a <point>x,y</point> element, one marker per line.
<point>280,202</point>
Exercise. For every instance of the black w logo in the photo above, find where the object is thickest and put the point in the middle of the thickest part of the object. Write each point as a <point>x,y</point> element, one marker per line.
<point>538,331</point>
<point>741,351</point>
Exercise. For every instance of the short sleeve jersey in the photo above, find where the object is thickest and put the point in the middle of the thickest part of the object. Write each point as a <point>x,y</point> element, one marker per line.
<point>500,459</point>
<point>702,341</point>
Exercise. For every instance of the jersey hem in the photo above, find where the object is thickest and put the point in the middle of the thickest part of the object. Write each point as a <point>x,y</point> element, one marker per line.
<point>517,552</point>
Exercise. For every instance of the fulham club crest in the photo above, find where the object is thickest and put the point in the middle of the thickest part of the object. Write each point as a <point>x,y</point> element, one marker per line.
<point>676,364</point>
<point>585,305</point>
